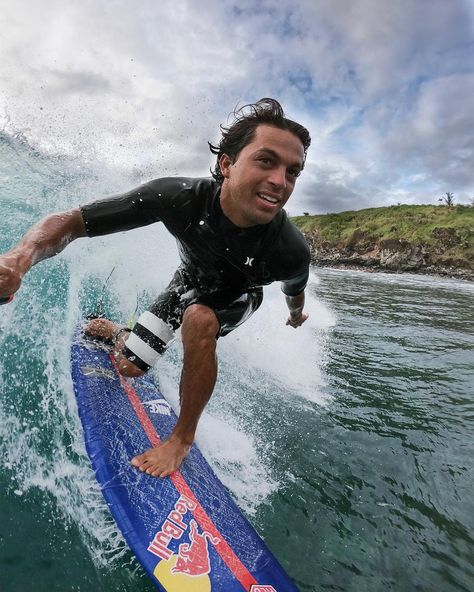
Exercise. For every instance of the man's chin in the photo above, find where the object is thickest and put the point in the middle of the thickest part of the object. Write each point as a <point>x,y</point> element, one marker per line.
<point>266,217</point>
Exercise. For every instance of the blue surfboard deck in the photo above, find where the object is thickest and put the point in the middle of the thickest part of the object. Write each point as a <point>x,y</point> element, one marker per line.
<point>185,530</point>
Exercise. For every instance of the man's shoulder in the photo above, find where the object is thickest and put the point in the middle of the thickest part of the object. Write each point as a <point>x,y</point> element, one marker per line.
<point>292,242</point>
<point>290,255</point>
<point>180,200</point>
<point>174,186</point>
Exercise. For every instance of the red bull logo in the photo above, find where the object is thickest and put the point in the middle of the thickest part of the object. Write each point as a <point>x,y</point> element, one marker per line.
<point>193,558</point>
<point>188,570</point>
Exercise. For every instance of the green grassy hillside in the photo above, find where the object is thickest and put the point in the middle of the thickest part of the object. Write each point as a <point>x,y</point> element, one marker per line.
<point>446,232</point>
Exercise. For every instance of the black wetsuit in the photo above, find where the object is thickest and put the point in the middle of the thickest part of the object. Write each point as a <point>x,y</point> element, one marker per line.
<point>221,263</point>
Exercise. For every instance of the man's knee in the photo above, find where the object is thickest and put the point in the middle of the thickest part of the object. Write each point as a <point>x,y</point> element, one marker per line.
<point>199,323</point>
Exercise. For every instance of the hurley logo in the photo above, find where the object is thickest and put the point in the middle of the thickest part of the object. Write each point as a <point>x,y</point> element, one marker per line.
<point>249,261</point>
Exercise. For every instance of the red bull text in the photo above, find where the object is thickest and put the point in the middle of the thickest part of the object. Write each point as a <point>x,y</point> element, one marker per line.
<point>172,528</point>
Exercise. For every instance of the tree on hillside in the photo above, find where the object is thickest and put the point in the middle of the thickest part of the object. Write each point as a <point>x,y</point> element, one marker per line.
<point>448,199</point>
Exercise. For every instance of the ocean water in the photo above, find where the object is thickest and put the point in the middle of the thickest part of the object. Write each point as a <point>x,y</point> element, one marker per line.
<point>348,443</point>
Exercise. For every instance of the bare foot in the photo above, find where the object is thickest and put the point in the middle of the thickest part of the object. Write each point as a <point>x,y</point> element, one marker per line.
<point>164,459</point>
<point>101,328</point>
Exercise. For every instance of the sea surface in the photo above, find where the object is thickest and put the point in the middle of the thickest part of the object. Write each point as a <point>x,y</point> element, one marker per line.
<point>349,443</point>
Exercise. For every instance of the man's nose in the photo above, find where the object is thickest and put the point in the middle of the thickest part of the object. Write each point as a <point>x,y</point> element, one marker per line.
<point>278,177</point>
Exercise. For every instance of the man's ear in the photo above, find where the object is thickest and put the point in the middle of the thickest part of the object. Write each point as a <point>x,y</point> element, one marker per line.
<point>225,163</point>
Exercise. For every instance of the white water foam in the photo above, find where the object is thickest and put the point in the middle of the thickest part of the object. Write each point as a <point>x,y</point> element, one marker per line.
<point>58,467</point>
<point>282,355</point>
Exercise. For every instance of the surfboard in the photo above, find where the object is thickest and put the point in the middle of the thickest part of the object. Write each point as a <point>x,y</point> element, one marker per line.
<point>185,530</point>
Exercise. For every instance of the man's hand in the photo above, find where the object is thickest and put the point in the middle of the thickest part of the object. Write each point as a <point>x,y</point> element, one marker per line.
<point>295,306</point>
<point>297,321</point>
<point>10,275</point>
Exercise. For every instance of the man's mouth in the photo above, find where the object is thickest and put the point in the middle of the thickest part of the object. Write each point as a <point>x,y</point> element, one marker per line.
<point>268,198</point>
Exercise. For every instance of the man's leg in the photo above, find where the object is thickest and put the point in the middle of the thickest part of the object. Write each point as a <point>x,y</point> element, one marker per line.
<point>199,335</point>
<point>200,325</point>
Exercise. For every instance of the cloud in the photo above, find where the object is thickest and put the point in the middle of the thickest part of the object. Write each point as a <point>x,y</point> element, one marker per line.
<point>384,87</point>
<point>325,197</point>
<point>436,135</point>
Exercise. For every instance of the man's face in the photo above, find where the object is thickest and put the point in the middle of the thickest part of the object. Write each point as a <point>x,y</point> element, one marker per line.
<point>259,183</point>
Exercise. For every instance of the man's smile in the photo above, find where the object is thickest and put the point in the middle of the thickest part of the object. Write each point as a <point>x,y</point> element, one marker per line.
<point>268,198</point>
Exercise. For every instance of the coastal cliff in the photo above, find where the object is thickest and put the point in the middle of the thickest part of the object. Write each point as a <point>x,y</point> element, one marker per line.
<point>418,239</point>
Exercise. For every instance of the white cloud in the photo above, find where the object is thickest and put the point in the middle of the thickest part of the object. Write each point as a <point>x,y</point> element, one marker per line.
<point>384,87</point>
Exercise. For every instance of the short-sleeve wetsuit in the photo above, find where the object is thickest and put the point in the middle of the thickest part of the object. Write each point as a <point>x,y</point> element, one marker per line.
<point>223,266</point>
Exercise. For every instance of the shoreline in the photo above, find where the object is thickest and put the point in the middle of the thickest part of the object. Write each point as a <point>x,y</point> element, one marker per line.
<point>453,273</point>
<point>422,239</point>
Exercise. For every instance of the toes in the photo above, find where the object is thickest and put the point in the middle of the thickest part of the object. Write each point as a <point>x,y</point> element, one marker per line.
<point>140,459</point>
<point>160,473</point>
<point>141,465</point>
<point>145,466</point>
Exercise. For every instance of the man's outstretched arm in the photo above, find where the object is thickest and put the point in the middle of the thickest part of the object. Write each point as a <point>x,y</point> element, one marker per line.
<point>295,306</point>
<point>45,239</point>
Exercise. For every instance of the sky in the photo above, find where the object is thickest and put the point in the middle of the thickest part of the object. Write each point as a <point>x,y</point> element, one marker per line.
<point>385,88</point>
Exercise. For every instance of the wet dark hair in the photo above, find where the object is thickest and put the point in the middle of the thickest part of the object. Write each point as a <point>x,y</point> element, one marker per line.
<point>242,130</point>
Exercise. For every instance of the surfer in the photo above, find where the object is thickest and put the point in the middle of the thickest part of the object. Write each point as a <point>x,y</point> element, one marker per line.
<point>233,236</point>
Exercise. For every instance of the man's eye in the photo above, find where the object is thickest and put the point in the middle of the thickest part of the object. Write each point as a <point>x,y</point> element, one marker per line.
<point>295,173</point>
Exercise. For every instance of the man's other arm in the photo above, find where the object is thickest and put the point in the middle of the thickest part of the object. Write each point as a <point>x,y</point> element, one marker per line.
<point>45,239</point>
<point>295,306</point>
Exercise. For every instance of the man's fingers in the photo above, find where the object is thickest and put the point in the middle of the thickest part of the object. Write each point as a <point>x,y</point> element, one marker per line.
<point>10,278</point>
<point>295,323</point>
